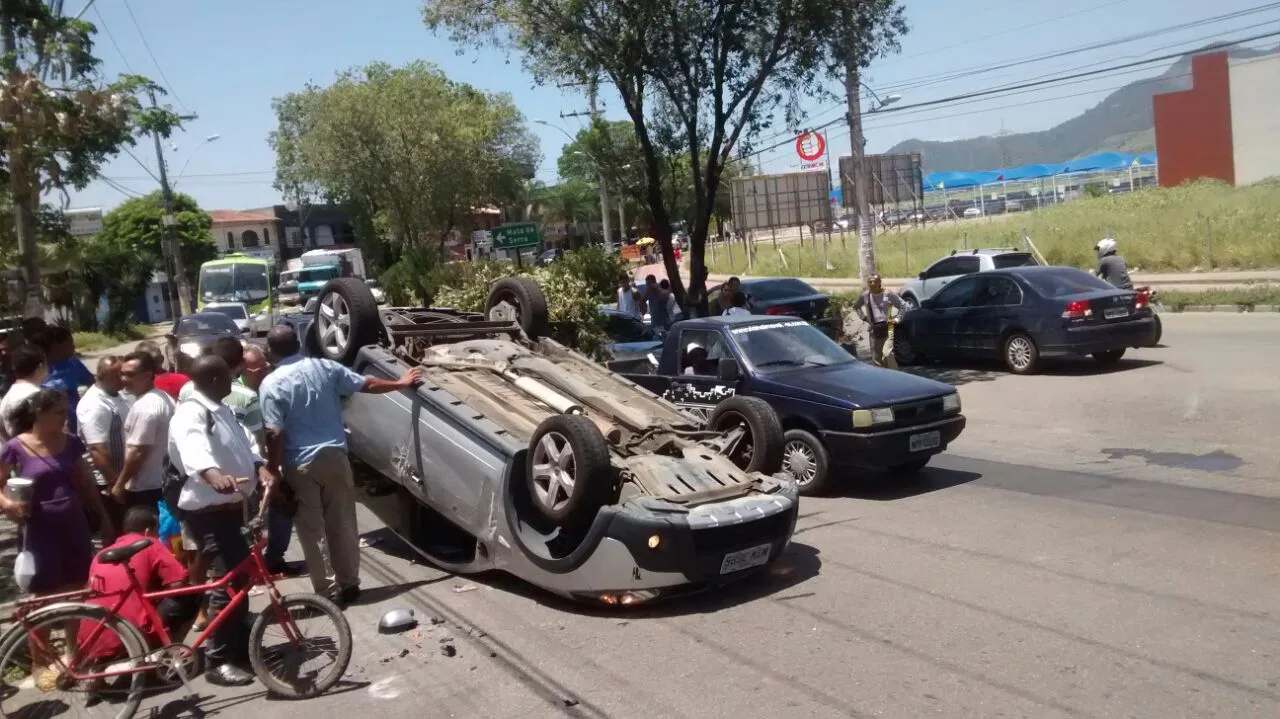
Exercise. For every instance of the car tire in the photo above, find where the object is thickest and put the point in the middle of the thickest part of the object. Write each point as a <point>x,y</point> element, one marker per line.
<point>568,471</point>
<point>805,458</point>
<point>904,351</point>
<point>910,469</point>
<point>910,302</point>
<point>1157,331</point>
<point>520,300</point>
<point>763,451</point>
<point>346,319</point>
<point>1021,355</point>
<point>1109,357</point>
<point>311,341</point>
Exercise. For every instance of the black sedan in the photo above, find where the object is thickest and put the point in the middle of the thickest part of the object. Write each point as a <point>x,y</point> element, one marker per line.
<point>784,296</point>
<point>195,334</point>
<point>1023,315</point>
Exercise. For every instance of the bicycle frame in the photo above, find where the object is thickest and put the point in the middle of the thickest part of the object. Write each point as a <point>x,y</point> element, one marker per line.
<point>253,568</point>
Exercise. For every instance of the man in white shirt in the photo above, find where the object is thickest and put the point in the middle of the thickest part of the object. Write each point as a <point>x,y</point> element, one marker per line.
<point>222,466</point>
<point>100,415</point>
<point>29,370</point>
<point>146,435</point>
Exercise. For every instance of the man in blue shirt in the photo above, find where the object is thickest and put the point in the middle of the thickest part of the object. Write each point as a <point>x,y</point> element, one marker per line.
<point>67,373</point>
<point>307,445</point>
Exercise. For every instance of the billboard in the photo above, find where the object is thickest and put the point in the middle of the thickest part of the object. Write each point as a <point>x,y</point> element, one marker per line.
<point>794,199</point>
<point>84,222</point>
<point>891,179</point>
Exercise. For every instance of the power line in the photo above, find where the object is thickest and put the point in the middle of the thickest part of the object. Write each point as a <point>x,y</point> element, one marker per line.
<point>112,38</point>
<point>966,73</point>
<point>1017,87</point>
<point>147,46</point>
<point>205,174</point>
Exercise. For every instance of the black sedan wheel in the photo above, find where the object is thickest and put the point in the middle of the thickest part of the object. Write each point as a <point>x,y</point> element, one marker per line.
<point>910,302</point>
<point>1109,357</point>
<point>1021,355</point>
<point>807,461</point>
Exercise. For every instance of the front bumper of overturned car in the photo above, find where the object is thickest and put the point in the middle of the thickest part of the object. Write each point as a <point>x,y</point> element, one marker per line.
<point>651,549</point>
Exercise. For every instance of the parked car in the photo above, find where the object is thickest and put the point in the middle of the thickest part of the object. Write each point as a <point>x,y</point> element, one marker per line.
<point>971,212</point>
<point>838,413</point>
<point>195,334</point>
<point>238,312</point>
<point>783,296</point>
<point>516,453</point>
<point>958,264</point>
<point>1024,315</point>
<point>548,256</point>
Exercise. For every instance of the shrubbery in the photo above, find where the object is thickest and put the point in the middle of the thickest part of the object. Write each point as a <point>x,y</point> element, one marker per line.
<point>575,287</point>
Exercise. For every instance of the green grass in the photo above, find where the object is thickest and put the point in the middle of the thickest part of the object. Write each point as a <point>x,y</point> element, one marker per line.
<point>1200,226</point>
<point>94,341</point>
<point>1244,296</point>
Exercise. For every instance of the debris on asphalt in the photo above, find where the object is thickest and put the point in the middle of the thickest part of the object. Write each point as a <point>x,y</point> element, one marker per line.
<point>446,640</point>
<point>460,588</point>
<point>397,620</point>
<point>569,702</point>
<point>437,620</point>
<point>449,650</point>
<point>492,654</point>
<point>403,653</point>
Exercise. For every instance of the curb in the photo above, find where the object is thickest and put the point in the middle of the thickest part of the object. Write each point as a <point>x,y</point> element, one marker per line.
<point>1232,309</point>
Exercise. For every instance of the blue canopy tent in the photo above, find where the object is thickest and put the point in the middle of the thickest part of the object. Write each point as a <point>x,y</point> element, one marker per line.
<point>957,180</point>
<point>1031,172</point>
<point>1147,159</point>
<point>1099,162</point>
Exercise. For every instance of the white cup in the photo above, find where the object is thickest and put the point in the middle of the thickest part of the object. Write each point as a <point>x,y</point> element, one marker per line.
<point>19,489</point>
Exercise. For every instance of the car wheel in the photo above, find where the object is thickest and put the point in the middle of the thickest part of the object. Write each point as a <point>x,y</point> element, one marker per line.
<point>760,450</point>
<point>1021,355</point>
<point>1108,357</point>
<point>1156,332</point>
<point>805,458</point>
<point>346,319</point>
<point>903,350</point>
<point>568,471</point>
<point>910,302</point>
<point>520,300</point>
<point>311,342</point>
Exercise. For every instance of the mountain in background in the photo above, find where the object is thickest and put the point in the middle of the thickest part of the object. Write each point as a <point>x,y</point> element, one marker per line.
<point>1122,122</point>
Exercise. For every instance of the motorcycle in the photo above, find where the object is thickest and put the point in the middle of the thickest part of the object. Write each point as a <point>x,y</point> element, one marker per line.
<point>1151,298</point>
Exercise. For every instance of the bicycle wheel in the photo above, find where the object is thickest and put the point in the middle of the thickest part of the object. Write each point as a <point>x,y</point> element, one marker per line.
<point>283,664</point>
<point>34,679</point>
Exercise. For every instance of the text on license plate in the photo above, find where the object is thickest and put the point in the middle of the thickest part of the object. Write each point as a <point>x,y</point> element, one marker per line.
<point>745,559</point>
<point>1115,312</point>
<point>924,440</point>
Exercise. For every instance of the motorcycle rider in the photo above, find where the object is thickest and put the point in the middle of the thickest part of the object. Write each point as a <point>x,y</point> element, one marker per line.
<point>1111,266</point>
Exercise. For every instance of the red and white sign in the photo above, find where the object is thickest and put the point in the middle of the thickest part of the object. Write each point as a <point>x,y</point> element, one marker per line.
<point>812,149</point>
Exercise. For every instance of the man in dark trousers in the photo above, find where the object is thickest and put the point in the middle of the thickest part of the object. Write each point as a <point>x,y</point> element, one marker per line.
<point>222,465</point>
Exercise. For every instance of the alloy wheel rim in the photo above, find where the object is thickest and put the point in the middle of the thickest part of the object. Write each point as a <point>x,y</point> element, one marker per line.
<point>554,471</point>
<point>335,323</point>
<point>1019,352</point>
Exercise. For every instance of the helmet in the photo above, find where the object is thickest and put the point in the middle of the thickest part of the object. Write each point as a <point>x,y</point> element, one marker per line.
<point>1105,246</point>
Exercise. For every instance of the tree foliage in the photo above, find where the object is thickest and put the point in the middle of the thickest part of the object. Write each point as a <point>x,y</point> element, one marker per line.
<point>57,132</point>
<point>696,77</point>
<point>413,149</point>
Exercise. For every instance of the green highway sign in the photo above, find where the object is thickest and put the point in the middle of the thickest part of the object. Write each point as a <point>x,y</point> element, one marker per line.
<point>519,234</point>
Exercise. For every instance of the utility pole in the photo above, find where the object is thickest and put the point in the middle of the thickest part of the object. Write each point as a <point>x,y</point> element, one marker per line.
<point>19,192</point>
<point>179,292</point>
<point>866,246</point>
<point>604,190</point>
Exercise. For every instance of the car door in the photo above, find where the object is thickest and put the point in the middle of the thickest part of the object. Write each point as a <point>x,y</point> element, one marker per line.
<point>944,271</point>
<point>937,325</point>
<point>702,389</point>
<point>995,306</point>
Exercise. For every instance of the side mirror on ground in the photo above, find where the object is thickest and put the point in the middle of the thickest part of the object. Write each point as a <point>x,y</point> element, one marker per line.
<point>728,370</point>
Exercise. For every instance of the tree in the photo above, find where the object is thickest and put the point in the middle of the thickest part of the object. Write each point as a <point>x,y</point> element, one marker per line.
<point>415,151</point>
<point>572,203</point>
<point>120,261</point>
<point>57,133</point>
<point>699,76</point>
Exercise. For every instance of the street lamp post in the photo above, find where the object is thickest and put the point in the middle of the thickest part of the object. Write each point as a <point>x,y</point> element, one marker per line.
<point>862,206</point>
<point>604,190</point>
<point>211,138</point>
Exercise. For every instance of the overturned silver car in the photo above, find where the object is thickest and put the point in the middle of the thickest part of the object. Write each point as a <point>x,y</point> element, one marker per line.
<point>516,453</point>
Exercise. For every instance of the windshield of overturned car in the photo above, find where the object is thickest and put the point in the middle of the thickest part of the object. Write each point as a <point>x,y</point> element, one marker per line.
<point>779,346</point>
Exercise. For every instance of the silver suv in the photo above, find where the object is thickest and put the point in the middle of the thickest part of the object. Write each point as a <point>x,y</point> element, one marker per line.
<point>958,264</point>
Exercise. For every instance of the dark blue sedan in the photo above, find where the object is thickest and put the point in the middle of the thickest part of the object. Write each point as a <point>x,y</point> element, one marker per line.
<point>1023,315</point>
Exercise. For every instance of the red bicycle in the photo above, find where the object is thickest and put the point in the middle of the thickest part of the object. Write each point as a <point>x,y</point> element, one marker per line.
<point>63,644</point>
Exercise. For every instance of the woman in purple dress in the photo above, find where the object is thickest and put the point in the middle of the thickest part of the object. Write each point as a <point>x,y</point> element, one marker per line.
<point>56,525</point>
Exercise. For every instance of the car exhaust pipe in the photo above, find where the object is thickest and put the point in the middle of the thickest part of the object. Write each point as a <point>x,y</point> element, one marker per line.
<point>543,393</point>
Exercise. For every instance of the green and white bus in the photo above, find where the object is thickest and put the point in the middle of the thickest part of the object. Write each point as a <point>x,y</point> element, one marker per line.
<point>239,278</point>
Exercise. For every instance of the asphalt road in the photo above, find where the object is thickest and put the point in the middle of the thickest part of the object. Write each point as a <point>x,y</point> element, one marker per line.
<point>1096,544</point>
<point>1062,560</point>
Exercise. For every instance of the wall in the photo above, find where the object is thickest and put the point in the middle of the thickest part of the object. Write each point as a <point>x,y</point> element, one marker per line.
<point>1194,127</point>
<point>267,234</point>
<point>1255,118</point>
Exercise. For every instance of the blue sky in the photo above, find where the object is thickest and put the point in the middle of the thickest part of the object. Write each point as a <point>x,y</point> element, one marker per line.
<point>226,60</point>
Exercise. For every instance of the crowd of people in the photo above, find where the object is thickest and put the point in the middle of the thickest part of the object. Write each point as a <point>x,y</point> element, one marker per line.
<point>658,301</point>
<point>174,454</point>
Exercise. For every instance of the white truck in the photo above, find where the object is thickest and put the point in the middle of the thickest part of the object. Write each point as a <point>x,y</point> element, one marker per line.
<point>350,261</point>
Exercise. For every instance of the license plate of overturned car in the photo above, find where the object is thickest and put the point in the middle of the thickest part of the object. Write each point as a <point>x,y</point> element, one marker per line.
<point>1115,313</point>
<point>923,441</point>
<point>745,559</point>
